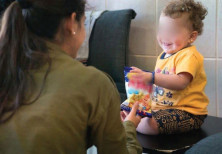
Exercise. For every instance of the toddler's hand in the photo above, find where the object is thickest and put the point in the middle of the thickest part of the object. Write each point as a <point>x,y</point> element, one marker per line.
<point>142,77</point>
<point>135,70</point>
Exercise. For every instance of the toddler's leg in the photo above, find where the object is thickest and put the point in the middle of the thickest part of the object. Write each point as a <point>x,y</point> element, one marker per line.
<point>170,121</point>
<point>148,126</point>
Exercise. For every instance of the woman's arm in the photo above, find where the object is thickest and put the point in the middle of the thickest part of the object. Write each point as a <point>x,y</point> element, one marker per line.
<point>113,135</point>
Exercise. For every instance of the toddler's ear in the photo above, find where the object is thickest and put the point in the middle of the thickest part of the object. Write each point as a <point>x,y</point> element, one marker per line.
<point>193,36</point>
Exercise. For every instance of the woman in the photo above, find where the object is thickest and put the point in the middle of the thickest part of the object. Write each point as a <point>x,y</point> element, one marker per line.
<point>50,103</point>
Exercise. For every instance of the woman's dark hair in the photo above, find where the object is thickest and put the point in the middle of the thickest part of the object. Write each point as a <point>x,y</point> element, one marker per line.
<point>4,4</point>
<point>24,26</point>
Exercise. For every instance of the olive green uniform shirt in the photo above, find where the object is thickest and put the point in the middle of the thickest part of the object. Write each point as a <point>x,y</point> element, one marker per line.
<point>78,107</point>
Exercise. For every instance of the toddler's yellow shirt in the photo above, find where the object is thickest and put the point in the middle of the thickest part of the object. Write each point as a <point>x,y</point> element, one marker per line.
<point>191,99</point>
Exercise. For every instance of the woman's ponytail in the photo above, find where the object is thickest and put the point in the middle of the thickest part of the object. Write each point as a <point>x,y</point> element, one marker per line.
<point>25,25</point>
<point>13,60</point>
<point>13,34</point>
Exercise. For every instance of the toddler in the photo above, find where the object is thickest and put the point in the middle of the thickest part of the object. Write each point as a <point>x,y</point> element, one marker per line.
<point>179,103</point>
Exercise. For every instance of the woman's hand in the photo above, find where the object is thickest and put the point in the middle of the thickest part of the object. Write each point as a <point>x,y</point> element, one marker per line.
<point>125,116</point>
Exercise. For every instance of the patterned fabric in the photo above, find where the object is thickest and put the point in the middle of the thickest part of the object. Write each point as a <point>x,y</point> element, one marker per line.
<point>173,121</point>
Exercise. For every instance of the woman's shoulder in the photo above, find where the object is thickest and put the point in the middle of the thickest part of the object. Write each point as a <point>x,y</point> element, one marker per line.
<point>65,69</point>
<point>74,71</point>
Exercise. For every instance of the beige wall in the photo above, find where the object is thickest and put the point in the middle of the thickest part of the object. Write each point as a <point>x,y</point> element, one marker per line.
<point>144,48</point>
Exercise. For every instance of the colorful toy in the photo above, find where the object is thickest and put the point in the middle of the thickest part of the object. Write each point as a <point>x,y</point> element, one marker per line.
<point>137,92</point>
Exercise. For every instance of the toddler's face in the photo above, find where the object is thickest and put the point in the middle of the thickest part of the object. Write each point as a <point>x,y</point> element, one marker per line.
<point>173,34</point>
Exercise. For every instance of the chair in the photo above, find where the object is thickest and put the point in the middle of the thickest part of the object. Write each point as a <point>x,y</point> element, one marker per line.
<point>108,45</point>
<point>211,144</point>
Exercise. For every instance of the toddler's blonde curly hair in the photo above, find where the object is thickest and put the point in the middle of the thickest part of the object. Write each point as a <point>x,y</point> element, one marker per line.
<point>195,10</point>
